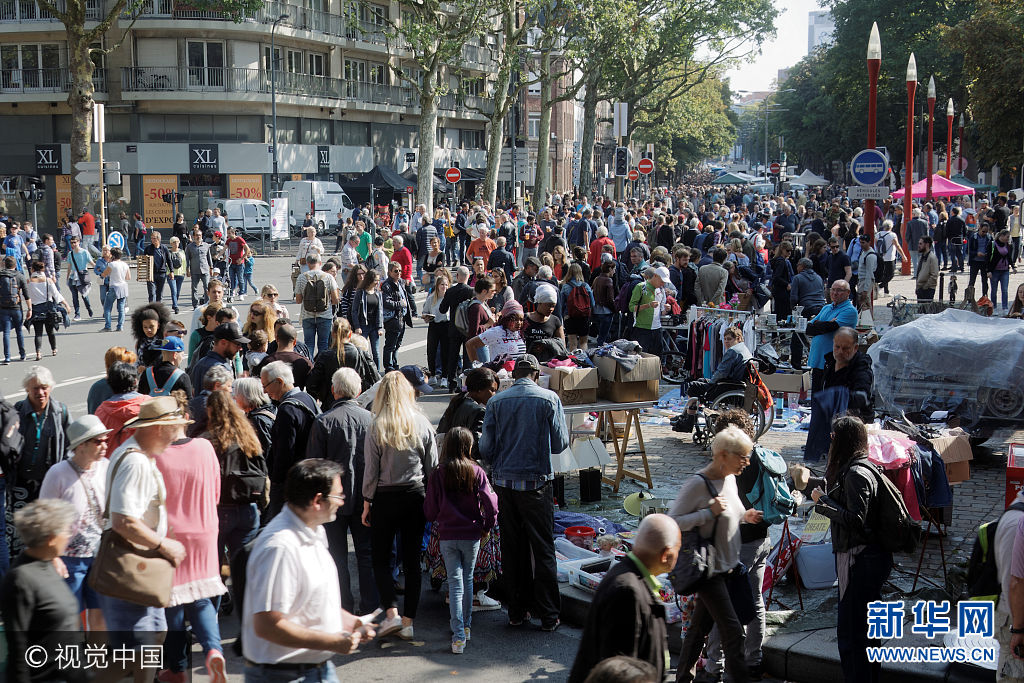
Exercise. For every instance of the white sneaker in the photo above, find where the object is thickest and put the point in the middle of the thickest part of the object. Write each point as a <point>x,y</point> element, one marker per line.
<point>458,647</point>
<point>406,632</point>
<point>482,603</point>
<point>241,297</point>
<point>389,626</point>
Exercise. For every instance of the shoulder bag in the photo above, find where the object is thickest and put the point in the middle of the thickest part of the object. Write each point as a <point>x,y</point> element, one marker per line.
<point>124,571</point>
<point>696,560</point>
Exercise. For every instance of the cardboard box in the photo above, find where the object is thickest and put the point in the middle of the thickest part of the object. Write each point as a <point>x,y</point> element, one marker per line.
<point>587,574</point>
<point>1014,471</point>
<point>575,387</point>
<point>647,368</point>
<point>956,453</point>
<point>628,392</point>
<point>788,382</point>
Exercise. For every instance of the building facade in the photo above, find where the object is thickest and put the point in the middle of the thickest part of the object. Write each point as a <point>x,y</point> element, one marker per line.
<point>188,101</point>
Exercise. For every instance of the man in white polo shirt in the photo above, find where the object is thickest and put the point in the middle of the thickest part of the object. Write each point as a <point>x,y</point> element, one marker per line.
<point>292,621</point>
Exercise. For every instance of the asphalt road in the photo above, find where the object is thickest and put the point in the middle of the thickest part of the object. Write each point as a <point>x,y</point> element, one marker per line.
<point>496,653</point>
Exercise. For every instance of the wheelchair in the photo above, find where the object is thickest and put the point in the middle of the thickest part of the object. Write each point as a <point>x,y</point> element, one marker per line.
<point>750,395</point>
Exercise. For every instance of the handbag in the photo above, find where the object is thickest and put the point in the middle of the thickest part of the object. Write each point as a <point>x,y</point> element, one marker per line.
<point>696,560</point>
<point>737,582</point>
<point>124,571</point>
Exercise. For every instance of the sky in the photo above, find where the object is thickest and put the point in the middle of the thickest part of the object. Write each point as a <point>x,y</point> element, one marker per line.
<point>789,46</point>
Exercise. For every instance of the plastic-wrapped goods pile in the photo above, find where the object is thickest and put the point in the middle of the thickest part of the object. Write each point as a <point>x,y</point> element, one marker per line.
<point>957,361</point>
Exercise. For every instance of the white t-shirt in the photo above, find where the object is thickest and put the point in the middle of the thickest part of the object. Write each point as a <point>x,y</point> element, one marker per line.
<point>885,244</point>
<point>290,571</point>
<point>119,275</point>
<point>139,489</point>
<point>502,342</point>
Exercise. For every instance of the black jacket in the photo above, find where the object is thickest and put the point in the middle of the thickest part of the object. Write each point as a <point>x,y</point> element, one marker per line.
<point>289,437</point>
<point>462,411</point>
<point>455,295</point>
<point>858,378</point>
<point>318,383</point>
<point>848,504</point>
<point>502,258</point>
<point>392,303</point>
<point>624,619</point>
<point>262,421</point>
<point>338,435</point>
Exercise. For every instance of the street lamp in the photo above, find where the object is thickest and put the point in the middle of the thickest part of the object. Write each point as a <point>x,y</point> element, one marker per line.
<point>931,121</point>
<point>874,64</point>
<point>273,95</point>
<point>949,138</point>
<point>960,147</point>
<point>908,178</point>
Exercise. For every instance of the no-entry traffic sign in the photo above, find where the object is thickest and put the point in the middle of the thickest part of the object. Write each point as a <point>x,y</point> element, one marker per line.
<point>645,166</point>
<point>409,189</point>
<point>633,174</point>
<point>453,175</point>
<point>775,168</point>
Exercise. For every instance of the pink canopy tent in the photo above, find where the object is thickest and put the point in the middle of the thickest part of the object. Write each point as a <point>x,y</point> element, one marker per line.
<point>941,187</point>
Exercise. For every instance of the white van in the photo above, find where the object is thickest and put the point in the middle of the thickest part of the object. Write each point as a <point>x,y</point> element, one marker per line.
<point>324,199</point>
<point>251,216</point>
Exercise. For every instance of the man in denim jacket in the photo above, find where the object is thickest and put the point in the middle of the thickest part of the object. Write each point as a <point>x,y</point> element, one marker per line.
<point>523,426</point>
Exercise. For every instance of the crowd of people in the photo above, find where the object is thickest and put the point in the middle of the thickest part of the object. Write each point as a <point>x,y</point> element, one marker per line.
<point>246,436</point>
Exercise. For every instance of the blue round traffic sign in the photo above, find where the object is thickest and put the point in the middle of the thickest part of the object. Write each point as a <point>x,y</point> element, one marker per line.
<point>869,167</point>
<point>115,240</point>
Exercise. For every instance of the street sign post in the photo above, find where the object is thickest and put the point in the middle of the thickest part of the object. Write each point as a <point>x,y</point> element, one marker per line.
<point>409,189</point>
<point>869,167</point>
<point>115,240</point>
<point>645,166</point>
<point>453,175</point>
<point>89,172</point>
<point>633,174</point>
<point>410,157</point>
<point>775,168</point>
<point>862,192</point>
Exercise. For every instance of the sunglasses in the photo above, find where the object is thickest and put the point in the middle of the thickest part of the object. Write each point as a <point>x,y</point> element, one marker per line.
<point>256,314</point>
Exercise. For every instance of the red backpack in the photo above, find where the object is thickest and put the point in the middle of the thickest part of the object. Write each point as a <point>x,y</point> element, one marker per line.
<point>578,303</point>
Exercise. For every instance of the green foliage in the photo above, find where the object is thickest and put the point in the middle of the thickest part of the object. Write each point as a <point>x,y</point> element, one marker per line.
<point>994,76</point>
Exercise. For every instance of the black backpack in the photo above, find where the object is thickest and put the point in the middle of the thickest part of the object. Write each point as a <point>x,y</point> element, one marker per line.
<point>895,529</point>
<point>9,296</point>
<point>982,574</point>
<point>11,439</point>
<point>243,479</point>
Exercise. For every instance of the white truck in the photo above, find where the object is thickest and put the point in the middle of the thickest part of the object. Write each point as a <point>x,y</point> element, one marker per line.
<point>323,199</point>
<point>251,216</point>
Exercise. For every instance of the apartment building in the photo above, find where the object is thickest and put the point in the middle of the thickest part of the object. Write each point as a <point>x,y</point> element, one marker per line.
<point>188,101</point>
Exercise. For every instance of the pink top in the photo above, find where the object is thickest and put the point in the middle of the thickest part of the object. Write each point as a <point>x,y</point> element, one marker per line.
<point>191,473</point>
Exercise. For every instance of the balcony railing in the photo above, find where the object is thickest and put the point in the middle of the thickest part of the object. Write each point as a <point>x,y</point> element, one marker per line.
<point>241,80</point>
<point>28,10</point>
<point>45,80</point>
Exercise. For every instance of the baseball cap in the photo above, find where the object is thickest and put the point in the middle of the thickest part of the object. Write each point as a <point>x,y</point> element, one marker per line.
<point>527,360</point>
<point>172,344</point>
<point>662,272</point>
<point>231,332</point>
<point>217,233</point>
<point>417,379</point>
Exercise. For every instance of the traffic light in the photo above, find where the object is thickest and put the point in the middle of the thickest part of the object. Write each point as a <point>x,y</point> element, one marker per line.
<point>621,161</point>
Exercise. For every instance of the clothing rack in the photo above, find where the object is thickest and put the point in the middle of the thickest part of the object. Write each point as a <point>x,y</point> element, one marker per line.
<point>695,312</point>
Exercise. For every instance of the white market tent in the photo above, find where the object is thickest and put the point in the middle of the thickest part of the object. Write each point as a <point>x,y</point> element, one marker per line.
<point>809,178</point>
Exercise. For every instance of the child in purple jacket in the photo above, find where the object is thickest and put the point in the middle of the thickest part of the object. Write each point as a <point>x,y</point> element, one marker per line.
<point>463,504</point>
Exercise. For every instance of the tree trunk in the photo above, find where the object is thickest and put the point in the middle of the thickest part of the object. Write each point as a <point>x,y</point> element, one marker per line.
<point>427,142</point>
<point>495,135</point>
<point>540,182</point>
<point>80,100</point>
<point>589,134</point>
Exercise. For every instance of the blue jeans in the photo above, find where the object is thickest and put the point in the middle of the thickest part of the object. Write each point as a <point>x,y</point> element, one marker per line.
<point>108,305</point>
<point>450,247</point>
<point>940,254</point>
<point>459,558</point>
<point>956,256</point>
<point>337,541</point>
<point>12,318</point>
<point>235,272</point>
<point>202,614</point>
<point>174,283</point>
<point>1000,278</point>
<point>316,332</point>
<point>394,332</point>
<point>76,291</point>
<point>129,624</point>
<point>870,570</point>
<point>78,572</point>
<point>238,526</point>
<point>373,336</point>
<point>323,674</point>
<point>249,283</point>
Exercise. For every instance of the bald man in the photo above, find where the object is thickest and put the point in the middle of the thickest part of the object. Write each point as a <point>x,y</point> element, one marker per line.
<point>627,616</point>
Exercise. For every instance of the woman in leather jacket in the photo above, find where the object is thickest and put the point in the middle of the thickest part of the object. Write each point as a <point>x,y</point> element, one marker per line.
<point>862,564</point>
